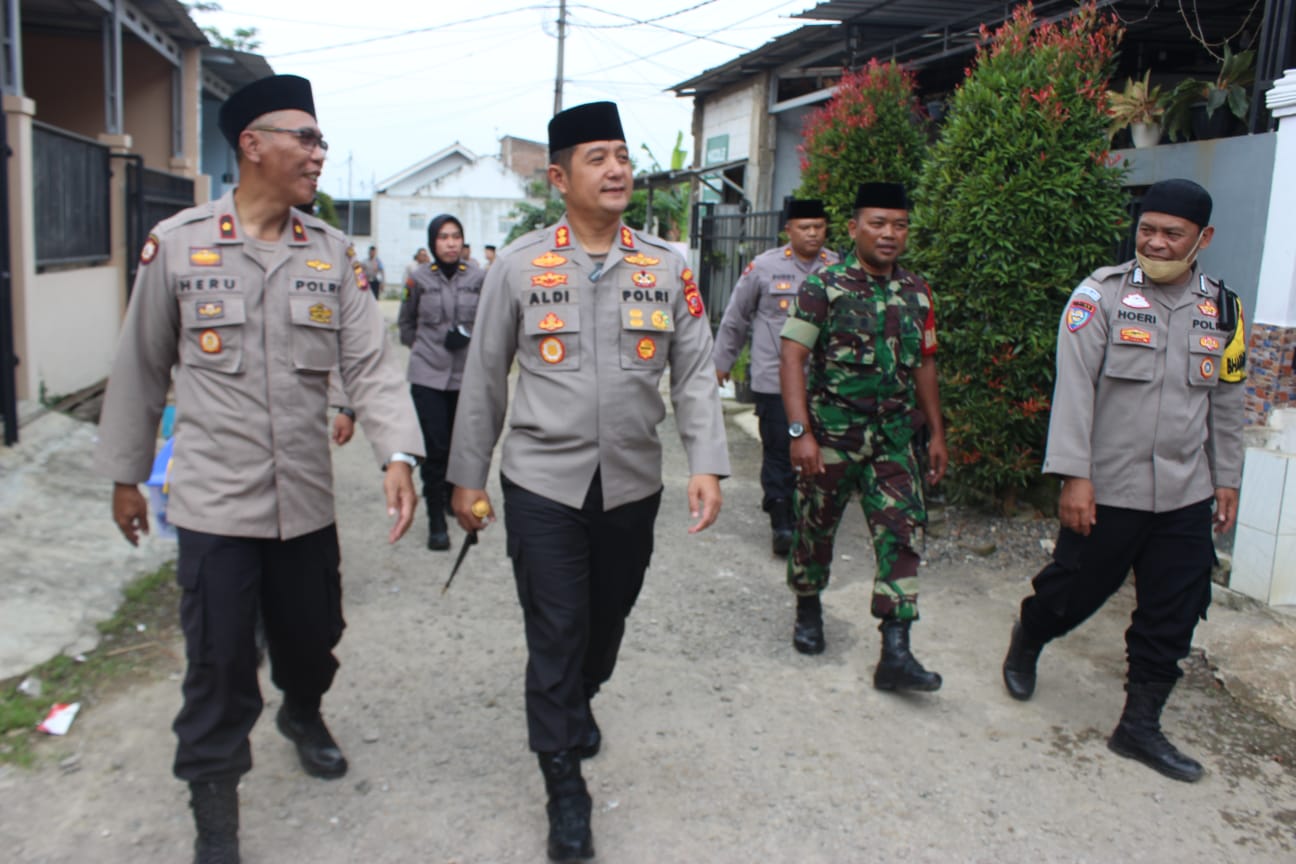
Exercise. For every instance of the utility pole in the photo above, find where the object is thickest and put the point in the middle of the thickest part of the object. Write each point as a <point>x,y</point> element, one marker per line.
<point>562,38</point>
<point>350,197</point>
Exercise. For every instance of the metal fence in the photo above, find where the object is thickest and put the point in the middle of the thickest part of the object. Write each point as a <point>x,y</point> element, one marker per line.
<point>727,240</point>
<point>72,198</point>
<point>151,196</point>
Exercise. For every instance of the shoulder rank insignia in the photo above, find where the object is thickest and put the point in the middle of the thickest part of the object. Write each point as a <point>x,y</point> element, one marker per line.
<point>548,259</point>
<point>562,237</point>
<point>548,280</point>
<point>204,256</point>
<point>551,322</point>
<point>298,231</point>
<point>227,228</point>
<point>787,253</point>
<point>639,259</point>
<point>643,279</point>
<point>316,264</point>
<point>627,237</point>
<point>150,249</point>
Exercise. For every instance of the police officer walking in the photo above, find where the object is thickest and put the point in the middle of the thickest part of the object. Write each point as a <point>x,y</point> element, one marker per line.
<point>1146,431</point>
<point>253,302</point>
<point>760,302</point>
<point>593,312</point>
<point>868,329</point>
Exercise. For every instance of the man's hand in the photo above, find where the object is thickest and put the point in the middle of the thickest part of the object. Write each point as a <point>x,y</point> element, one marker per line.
<point>472,508</point>
<point>1076,508</point>
<point>343,429</point>
<point>130,511</point>
<point>721,377</point>
<point>398,486</point>
<point>704,500</point>
<point>806,458</point>
<point>1226,505</point>
<point>937,459</point>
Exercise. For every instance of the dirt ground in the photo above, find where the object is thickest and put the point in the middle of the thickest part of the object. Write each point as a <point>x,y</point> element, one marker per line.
<point>722,744</point>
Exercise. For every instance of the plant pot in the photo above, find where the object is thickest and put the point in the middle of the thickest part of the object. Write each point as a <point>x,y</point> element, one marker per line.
<point>1145,134</point>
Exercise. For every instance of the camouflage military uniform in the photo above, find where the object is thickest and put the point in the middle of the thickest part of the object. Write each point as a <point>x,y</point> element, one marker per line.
<point>866,336</point>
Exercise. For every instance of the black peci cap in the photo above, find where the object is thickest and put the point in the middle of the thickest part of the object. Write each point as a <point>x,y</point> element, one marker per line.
<point>1179,197</point>
<point>806,208</point>
<point>593,121</point>
<point>887,196</point>
<point>275,93</point>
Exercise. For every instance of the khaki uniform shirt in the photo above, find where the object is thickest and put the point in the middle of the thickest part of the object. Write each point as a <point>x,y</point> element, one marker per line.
<point>766,291</point>
<point>252,347</point>
<point>591,354</point>
<point>1148,398</point>
<point>434,304</point>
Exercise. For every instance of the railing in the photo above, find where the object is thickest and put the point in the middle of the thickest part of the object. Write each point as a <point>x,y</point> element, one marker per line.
<point>727,241</point>
<point>151,196</point>
<point>72,199</point>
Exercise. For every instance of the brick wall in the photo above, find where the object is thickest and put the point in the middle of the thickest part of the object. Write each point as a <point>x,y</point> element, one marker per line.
<point>1271,383</point>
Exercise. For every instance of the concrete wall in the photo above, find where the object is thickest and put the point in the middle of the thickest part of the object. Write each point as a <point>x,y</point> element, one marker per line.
<point>78,308</point>
<point>63,72</point>
<point>146,109</point>
<point>1238,173</point>
<point>787,158</point>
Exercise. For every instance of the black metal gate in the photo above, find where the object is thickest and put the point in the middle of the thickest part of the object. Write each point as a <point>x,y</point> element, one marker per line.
<point>8,360</point>
<point>151,196</point>
<point>727,239</point>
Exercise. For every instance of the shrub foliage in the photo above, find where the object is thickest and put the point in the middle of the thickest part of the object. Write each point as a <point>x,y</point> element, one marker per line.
<point>1018,201</point>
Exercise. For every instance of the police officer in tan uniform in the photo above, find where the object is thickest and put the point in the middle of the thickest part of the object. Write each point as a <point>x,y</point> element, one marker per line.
<point>1146,432</point>
<point>594,313</point>
<point>253,302</point>
<point>760,302</point>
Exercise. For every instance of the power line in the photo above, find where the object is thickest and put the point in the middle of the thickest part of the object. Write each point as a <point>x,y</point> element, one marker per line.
<point>633,21</point>
<point>412,31</point>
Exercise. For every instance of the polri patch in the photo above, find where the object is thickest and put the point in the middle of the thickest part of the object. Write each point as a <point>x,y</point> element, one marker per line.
<point>1135,334</point>
<point>210,342</point>
<point>1078,314</point>
<point>204,256</point>
<point>150,249</point>
<point>552,349</point>
<point>548,280</point>
<point>1135,301</point>
<point>643,279</point>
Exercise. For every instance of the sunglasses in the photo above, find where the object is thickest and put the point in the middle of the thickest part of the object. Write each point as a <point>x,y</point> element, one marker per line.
<point>307,137</point>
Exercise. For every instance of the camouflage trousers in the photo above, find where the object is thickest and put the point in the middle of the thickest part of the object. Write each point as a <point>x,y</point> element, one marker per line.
<point>891,497</point>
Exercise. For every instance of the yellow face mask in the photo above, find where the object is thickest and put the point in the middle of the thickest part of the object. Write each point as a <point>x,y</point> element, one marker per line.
<point>1169,271</point>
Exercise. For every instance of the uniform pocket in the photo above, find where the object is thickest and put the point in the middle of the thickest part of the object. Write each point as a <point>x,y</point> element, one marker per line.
<point>1132,354</point>
<point>1204,360</point>
<point>212,332</point>
<point>853,340</point>
<point>315,332</point>
<point>550,339</point>
<point>645,336</point>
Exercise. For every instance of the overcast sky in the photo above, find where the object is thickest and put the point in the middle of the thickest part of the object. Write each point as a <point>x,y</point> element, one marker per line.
<point>409,79</point>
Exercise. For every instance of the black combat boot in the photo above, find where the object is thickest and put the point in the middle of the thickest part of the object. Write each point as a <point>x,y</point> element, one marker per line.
<point>568,808</point>
<point>319,754</point>
<point>898,669</point>
<point>1138,735</point>
<point>215,809</point>
<point>1019,665</point>
<point>780,513</point>
<point>592,741</point>
<point>438,536</point>
<point>808,634</point>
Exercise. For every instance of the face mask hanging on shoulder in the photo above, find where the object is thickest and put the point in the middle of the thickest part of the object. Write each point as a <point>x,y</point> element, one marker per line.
<point>1169,271</point>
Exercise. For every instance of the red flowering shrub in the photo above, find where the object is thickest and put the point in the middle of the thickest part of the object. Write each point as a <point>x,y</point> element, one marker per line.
<point>1018,201</point>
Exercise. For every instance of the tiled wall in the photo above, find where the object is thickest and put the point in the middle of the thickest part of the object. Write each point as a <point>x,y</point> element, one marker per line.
<point>1271,383</point>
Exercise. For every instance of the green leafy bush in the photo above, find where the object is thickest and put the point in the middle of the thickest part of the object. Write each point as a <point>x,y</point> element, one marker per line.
<point>1018,201</point>
<point>867,132</point>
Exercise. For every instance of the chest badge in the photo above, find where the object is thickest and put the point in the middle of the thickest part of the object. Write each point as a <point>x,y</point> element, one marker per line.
<point>783,286</point>
<point>1135,334</point>
<point>551,322</point>
<point>1208,308</point>
<point>636,317</point>
<point>211,309</point>
<point>643,279</point>
<point>639,259</point>
<point>318,265</point>
<point>1135,301</point>
<point>1210,343</point>
<point>1078,314</point>
<point>660,319</point>
<point>321,314</point>
<point>548,259</point>
<point>784,303</point>
<point>210,342</point>
<point>646,349</point>
<point>204,256</point>
<point>1208,368</point>
<point>552,349</point>
<point>548,279</point>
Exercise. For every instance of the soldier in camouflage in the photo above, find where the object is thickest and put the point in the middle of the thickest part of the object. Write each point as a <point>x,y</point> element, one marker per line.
<point>868,329</point>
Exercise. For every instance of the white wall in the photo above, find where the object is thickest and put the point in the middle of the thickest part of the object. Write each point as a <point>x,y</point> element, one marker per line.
<point>732,114</point>
<point>72,321</point>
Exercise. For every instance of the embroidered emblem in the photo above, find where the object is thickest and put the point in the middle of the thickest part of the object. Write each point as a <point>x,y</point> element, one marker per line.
<point>203,256</point>
<point>643,279</point>
<point>1137,278</point>
<point>787,253</point>
<point>660,319</point>
<point>149,250</point>
<point>783,286</point>
<point>350,251</point>
<point>1092,293</point>
<point>783,304</point>
<point>1208,368</point>
<point>823,256</point>
<point>362,281</point>
<point>627,237</point>
<point>687,275</point>
<point>552,349</point>
<point>548,259</point>
<point>210,342</point>
<point>646,349</point>
<point>636,317</point>
<point>639,259</point>
<point>316,264</point>
<point>210,309</point>
<point>1210,343</point>
<point>1208,308</point>
<point>298,230</point>
<point>548,280</point>
<point>1135,301</point>
<point>562,238</point>
<point>551,322</point>
<point>227,227</point>
<point>1078,314</point>
<point>321,314</point>
<point>694,300</point>
<point>1135,334</point>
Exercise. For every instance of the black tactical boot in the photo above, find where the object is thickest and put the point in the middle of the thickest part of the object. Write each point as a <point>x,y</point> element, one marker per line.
<point>592,741</point>
<point>780,513</point>
<point>808,634</point>
<point>319,754</point>
<point>215,809</point>
<point>898,669</point>
<point>568,808</point>
<point>1138,735</point>
<point>1019,665</point>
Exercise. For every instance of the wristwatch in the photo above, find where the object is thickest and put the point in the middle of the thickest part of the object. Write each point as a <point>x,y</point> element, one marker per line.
<point>796,430</point>
<point>409,460</point>
<point>347,412</point>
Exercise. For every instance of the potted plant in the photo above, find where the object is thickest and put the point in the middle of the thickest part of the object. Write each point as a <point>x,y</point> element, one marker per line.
<point>740,374</point>
<point>1138,107</point>
<point>1192,105</point>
